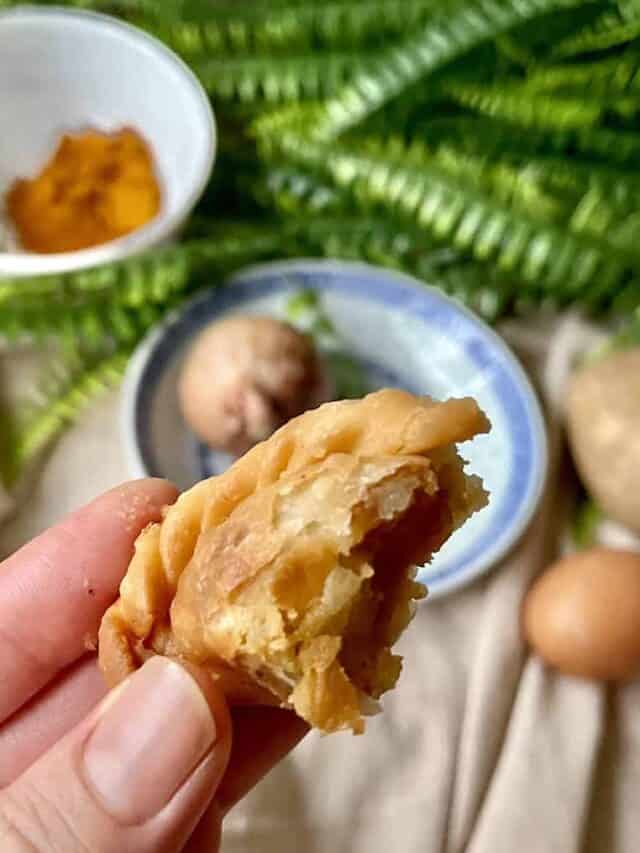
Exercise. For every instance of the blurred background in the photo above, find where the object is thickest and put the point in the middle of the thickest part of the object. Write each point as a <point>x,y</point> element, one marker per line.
<point>488,148</point>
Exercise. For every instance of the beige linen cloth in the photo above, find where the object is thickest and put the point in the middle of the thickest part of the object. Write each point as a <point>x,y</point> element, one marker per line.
<point>480,749</point>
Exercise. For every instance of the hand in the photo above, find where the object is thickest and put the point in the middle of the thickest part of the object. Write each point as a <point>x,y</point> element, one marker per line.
<point>148,768</point>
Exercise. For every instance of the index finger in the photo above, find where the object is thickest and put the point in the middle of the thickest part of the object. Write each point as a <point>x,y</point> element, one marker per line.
<point>54,591</point>
<point>262,737</point>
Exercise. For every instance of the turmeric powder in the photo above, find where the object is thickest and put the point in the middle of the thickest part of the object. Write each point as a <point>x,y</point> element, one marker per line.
<point>97,187</point>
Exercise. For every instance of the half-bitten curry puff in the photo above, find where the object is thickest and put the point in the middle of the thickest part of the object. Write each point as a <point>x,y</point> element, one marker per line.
<point>290,577</point>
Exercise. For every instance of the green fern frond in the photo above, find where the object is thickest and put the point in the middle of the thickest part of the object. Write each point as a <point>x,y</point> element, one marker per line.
<point>262,25</point>
<point>612,29</point>
<point>548,189</point>
<point>598,214</point>
<point>475,222</point>
<point>573,180</point>
<point>518,54</point>
<point>119,302</point>
<point>394,244</point>
<point>154,277</point>
<point>71,387</point>
<point>615,76</point>
<point>520,104</point>
<point>495,138</point>
<point>284,127</point>
<point>479,286</point>
<point>293,192</point>
<point>594,204</point>
<point>464,24</point>
<point>517,104</point>
<point>553,187</point>
<point>273,79</point>
<point>528,46</point>
<point>90,325</point>
<point>523,185</point>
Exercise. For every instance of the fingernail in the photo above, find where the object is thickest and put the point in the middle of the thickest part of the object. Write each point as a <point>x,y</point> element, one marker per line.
<point>148,742</point>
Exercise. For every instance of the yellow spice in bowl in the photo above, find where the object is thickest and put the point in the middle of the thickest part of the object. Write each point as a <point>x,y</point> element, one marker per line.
<point>96,188</point>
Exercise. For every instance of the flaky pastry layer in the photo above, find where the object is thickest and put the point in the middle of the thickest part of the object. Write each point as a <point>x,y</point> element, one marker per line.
<point>290,576</point>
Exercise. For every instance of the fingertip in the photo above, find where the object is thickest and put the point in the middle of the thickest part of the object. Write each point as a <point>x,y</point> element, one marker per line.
<point>150,494</point>
<point>132,506</point>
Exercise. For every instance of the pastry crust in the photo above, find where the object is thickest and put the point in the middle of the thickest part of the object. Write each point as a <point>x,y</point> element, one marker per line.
<point>290,576</point>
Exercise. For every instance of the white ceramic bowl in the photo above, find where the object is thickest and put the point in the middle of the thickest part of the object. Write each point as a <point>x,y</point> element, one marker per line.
<point>65,70</point>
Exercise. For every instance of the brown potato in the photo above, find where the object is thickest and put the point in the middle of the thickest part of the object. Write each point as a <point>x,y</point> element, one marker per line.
<point>245,376</point>
<point>604,433</point>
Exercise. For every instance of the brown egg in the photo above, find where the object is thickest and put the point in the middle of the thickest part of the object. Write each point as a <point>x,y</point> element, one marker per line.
<point>582,616</point>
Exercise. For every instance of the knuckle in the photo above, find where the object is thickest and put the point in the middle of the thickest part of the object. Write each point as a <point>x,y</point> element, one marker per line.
<point>30,822</point>
<point>13,837</point>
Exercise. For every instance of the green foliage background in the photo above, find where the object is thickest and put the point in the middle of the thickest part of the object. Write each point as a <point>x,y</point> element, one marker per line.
<point>489,147</point>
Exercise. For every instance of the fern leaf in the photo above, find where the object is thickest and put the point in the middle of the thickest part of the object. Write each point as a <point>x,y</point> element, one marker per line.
<point>516,53</point>
<point>292,122</point>
<point>444,37</point>
<point>153,278</point>
<point>496,138</point>
<point>293,192</point>
<point>615,76</point>
<point>474,222</point>
<point>523,185</point>
<point>394,244</point>
<point>598,214</point>
<point>612,29</point>
<point>71,389</point>
<point>550,189</point>
<point>517,104</point>
<point>202,29</point>
<point>274,79</point>
<point>528,46</point>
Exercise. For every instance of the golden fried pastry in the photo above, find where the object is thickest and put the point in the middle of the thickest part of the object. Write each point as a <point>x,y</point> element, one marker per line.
<point>290,576</point>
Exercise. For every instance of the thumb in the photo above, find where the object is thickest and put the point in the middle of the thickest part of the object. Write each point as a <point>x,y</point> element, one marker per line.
<point>136,775</point>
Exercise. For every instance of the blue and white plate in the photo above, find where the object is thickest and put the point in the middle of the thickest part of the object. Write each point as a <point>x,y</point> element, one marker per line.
<point>402,333</point>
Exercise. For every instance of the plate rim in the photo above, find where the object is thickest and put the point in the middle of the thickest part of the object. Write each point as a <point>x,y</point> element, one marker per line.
<point>504,544</point>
